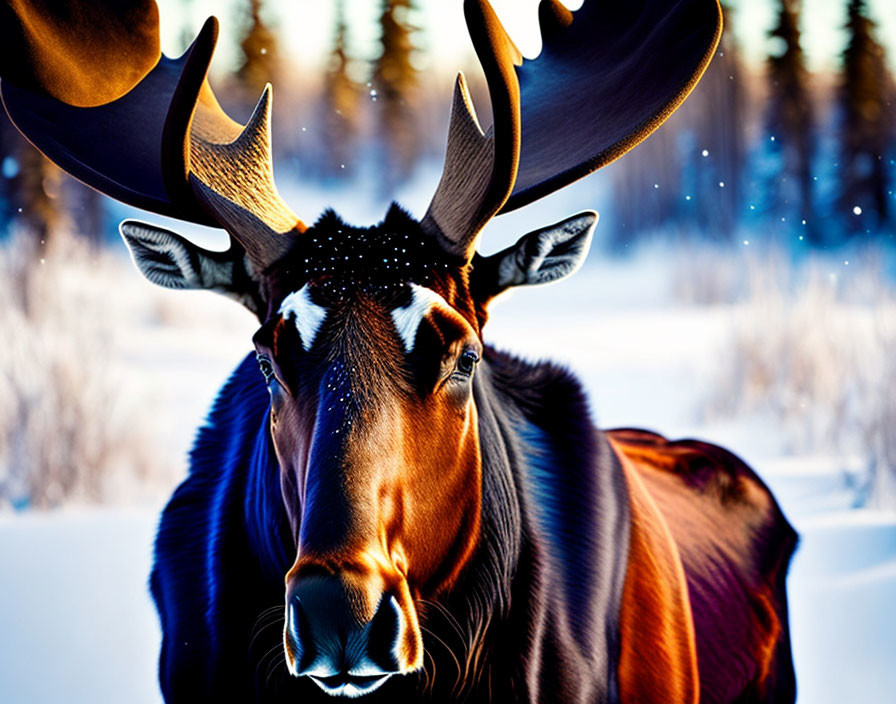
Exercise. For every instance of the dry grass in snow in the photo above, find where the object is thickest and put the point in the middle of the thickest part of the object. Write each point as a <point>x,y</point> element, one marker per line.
<point>77,424</point>
<point>816,347</point>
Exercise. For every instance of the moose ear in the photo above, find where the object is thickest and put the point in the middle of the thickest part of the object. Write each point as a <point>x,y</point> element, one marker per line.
<point>169,260</point>
<point>542,256</point>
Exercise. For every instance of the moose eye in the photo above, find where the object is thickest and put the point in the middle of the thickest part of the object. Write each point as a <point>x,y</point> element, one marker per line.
<point>266,367</point>
<point>467,362</point>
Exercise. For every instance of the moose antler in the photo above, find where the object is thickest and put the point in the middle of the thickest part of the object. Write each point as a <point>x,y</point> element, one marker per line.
<point>97,97</point>
<point>608,75</point>
<point>480,168</point>
<point>153,135</point>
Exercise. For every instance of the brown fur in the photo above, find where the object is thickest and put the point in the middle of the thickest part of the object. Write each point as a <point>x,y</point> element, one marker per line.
<point>658,657</point>
<point>733,544</point>
<point>406,467</point>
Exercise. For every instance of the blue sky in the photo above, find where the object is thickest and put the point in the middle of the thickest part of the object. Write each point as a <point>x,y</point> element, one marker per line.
<point>305,26</point>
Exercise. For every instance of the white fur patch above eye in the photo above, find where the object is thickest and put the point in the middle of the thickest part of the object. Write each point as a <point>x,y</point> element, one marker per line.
<point>308,315</point>
<point>407,320</point>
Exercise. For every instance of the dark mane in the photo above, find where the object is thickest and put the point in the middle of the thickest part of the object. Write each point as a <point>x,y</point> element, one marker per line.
<point>559,467</point>
<point>231,474</point>
<point>382,257</point>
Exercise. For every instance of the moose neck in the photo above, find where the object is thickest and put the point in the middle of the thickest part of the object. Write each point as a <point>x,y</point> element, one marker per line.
<point>544,511</point>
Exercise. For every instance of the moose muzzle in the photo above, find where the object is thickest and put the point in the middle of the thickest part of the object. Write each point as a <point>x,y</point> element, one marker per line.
<point>347,635</point>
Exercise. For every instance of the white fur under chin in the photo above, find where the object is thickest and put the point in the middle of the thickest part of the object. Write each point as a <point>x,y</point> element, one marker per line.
<point>350,690</point>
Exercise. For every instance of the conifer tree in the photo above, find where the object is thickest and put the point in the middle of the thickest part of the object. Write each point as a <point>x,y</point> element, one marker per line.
<point>395,84</point>
<point>187,32</point>
<point>35,196</point>
<point>646,187</point>
<point>717,111</point>
<point>790,122</point>
<point>340,105</point>
<point>259,49</point>
<point>38,187</point>
<point>867,121</point>
<point>667,180</point>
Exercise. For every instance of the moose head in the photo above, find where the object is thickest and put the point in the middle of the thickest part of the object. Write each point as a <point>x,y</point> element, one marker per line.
<point>370,338</point>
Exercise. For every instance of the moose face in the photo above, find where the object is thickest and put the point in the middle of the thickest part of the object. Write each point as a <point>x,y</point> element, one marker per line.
<point>374,427</point>
<point>369,346</point>
<point>380,469</point>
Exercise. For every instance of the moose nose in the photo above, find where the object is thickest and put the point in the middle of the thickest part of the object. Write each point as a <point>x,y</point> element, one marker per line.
<point>328,640</point>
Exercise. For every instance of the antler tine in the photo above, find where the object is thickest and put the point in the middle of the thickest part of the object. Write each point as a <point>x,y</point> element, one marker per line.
<point>232,174</point>
<point>480,169</point>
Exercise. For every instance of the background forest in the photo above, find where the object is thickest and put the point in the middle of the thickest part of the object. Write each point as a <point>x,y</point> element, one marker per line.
<point>807,159</point>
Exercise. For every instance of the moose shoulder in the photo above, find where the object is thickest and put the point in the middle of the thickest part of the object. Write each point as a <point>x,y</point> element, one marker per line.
<point>381,504</point>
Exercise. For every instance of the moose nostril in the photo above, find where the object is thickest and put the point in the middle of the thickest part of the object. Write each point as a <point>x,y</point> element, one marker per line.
<point>299,644</point>
<point>384,635</point>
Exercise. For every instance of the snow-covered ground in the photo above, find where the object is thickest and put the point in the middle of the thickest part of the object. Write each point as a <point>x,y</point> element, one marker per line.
<point>76,621</point>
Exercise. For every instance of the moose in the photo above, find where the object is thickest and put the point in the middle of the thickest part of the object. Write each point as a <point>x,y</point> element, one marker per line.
<point>380,503</point>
